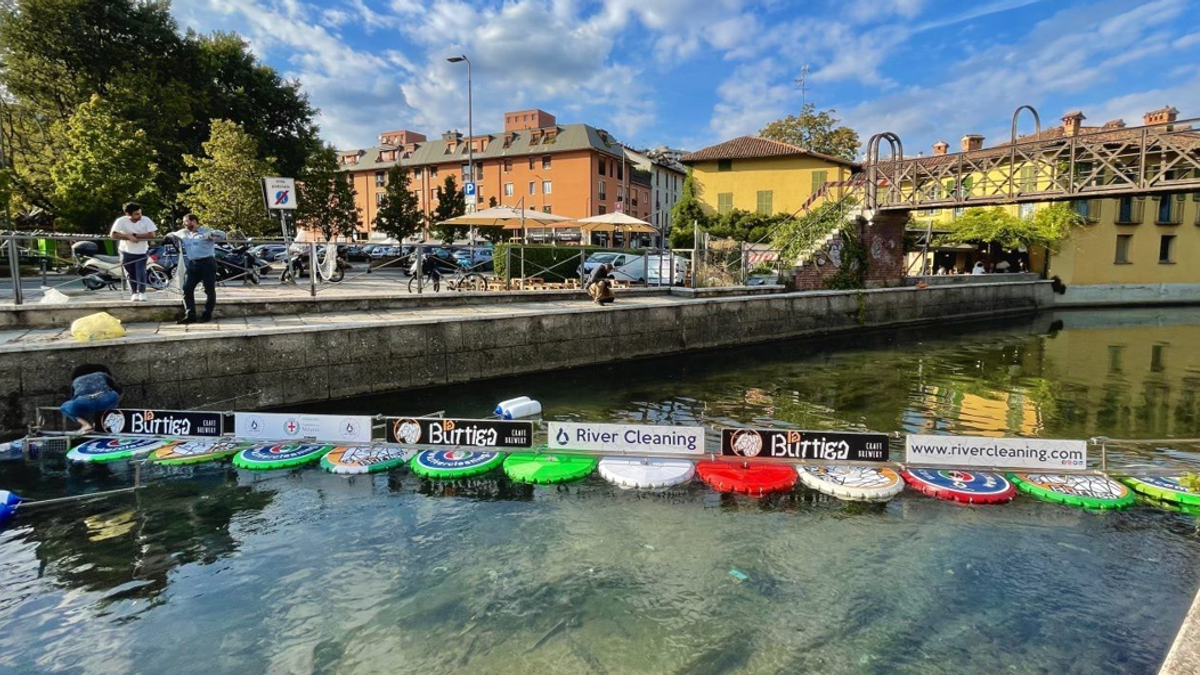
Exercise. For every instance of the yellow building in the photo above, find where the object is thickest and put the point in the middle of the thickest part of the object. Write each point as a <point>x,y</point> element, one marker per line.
<point>760,175</point>
<point>1129,249</point>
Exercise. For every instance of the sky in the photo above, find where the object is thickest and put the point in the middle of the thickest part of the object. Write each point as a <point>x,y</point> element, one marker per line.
<point>690,73</point>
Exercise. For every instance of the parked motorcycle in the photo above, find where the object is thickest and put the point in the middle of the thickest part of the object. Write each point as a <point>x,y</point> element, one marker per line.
<point>299,267</point>
<point>98,271</point>
<point>238,261</point>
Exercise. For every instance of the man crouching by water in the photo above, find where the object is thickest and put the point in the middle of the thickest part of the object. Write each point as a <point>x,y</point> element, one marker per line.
<point>198,246</point>
<point>599,285</point>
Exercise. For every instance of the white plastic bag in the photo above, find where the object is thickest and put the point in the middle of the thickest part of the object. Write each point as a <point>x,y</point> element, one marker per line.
<point>99,326</point>
<point>52,296</point>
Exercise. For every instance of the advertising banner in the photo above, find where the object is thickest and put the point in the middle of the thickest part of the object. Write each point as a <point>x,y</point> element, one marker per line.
<point>285,426</point>
<point>980,451</point>
<point>459,433</point>
<point>626,439</point>
<point>794,444</point>
<point>134,422</point>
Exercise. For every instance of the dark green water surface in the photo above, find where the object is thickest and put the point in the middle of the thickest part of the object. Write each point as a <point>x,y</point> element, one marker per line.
<point>212,570</point>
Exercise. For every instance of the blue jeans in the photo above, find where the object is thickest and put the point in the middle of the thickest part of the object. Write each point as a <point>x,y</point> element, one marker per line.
<point>135,271</point>
<point>81,407</point>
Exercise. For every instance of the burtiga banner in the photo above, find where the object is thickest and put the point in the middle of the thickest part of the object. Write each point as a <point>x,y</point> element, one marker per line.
<point>284,426</point>
<point>626,439</point>
<point>137,422</point>
<point>981,451</point>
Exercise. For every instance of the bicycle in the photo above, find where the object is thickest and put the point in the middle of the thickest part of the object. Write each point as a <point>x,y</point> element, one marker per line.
<point>431,280</point>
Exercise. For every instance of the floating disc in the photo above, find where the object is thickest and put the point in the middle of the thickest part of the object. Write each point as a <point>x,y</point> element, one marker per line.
<point>1163,488</point>
<point>265,456</point>
<point>352,459</point>
<point>528,467</point>
<point>195,452</point>
<point>755,480</point>
<point>854,483</point>
<point>112,449</point>
<point>1090,492</point>
<point>968,487</point>
<point>646,474</point>
<point>453,464</point>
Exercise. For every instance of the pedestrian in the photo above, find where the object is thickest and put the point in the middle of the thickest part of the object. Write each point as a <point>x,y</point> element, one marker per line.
<point>599,285</point>
<point>197,245</point>
<point>132,231</point>
<point>93,390</point>
<point>978,269</point>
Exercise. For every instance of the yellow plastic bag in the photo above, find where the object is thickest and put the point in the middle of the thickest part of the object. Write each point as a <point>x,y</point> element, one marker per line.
<point>99,326</point>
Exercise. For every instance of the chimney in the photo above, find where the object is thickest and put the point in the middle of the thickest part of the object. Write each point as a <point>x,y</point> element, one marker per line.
<point>452,137</point>
<point>528,119</point>
<point>972,142</point>
<point>940,148</point>
<point>1114,124</point>
<point>1164,115</point>
<point>1072,122</point>
<point>401,137</point>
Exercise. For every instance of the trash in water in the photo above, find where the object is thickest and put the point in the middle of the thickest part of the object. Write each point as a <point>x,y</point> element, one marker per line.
<point>738,575</point>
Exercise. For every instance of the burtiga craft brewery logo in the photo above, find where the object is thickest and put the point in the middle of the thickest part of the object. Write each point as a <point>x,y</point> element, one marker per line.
<point>460,432</point>
<point>161,422</point>
<point>113,422</point>
<point>407,431</point>
<point>809,445</point>
<point>746,443</point>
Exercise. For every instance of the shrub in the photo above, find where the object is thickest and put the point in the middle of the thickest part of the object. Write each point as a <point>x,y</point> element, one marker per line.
<point>564,261</point>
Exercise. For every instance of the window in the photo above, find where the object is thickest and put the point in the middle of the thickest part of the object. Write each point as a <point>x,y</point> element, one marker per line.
<point>724,165</point>
<point>466,172</point>
<point>1088,208</point>
<point>603,190</point>
<point>603,209</point>
<point>508,189</point>
<point>380,179</point>
<point>532,188</point>
<point>532,164</point>
<point>1123,242</point>
<point>1166,249</point>
<point>818,179</point>
<point>620,170</point>
<point>433,172</point>
<point>545,161</point>
<point>508,166</point>
<point>546,187</point>
<point>724,202</point>
<point>765,197</point>
<point>1167,214</point>
<point>379,198</point>
<point>1027,184</point>
<point>546,209</point>
<point>602,163</point>
<point>1129,211</point>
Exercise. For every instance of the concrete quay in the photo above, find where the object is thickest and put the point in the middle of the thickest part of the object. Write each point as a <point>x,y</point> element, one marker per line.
<point>1184,657</point>
<point>261,361</point>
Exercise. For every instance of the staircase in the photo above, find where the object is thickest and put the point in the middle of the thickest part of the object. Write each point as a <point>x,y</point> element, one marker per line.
<point>852,191</point>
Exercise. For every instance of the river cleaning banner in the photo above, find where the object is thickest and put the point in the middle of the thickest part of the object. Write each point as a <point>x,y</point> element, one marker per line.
<point>980,451</point>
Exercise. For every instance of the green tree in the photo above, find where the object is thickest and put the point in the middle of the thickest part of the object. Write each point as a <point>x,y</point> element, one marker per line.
<point>223,187</point>
<point>451,204</point>
<point>1047,227</point>
<point>325,202</point>
<point>104,162</point>
<point>745,226</point>
<point>816,131</point>
<point>686,213</point>
<point>399,213</point>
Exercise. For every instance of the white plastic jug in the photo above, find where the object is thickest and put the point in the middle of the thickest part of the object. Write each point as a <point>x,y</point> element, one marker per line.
<point>502,406</point>
<point>523,409</point>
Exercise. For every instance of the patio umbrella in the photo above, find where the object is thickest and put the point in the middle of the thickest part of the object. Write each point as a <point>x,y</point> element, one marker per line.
<point>507,217</point>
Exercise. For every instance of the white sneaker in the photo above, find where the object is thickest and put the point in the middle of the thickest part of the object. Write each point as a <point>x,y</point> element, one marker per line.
<point>138,297</point>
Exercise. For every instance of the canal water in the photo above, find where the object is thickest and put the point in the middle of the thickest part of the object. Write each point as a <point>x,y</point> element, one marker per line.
<point>214,571</point>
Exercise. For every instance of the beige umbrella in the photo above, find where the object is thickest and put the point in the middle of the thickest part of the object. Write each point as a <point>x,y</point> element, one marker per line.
<point>508,217</point>
<point>613,227</point>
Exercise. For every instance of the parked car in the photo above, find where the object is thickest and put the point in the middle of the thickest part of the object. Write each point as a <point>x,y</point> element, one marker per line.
<point>652,267</point>
<point>478,260</point>
<point>267,252</point>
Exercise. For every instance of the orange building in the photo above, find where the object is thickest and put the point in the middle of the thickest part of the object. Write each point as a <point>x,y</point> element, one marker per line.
<point>573,170</point>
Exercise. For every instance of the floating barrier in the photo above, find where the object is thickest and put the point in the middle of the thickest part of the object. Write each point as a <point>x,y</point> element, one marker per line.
<point>755,480</point>
<point>967,487</point>
<point>454,464</point>
<point>360,459</point>
<point>634,473</point>
<point>8,504</point>
<point>517,408</point>
<point>196,452</point>
<point>852,483</point>
<point>103,450</point>
<point>504,405</point>
<point>1089,492</point>
<point>538,469</point>
<point>268,456</point>
<point>1164,489</point>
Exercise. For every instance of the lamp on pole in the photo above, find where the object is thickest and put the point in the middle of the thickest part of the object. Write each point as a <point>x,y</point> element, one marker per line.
<point>470,128</point>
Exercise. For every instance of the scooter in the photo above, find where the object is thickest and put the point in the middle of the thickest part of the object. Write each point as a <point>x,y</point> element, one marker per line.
<point>235,261</point>
<point>299,267</point>
<point>106,271</point>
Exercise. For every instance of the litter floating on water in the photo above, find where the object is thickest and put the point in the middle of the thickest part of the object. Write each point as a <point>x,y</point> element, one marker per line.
<point>853,483</point>
<point>739,576</point>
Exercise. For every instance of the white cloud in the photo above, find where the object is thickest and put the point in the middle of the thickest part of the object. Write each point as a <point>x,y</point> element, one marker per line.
<point>749,99</point>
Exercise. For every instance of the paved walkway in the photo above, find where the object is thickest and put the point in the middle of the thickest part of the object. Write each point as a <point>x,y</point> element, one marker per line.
<point>14,340</point>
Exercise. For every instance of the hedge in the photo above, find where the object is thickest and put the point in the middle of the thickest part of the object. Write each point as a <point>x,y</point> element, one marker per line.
<point>539,257</point>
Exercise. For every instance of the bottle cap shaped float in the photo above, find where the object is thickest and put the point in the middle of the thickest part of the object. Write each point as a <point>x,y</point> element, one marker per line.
<point>359,459</point>
<point>1089,492</point>
<point>102,450</point>
<point>196,452</point>
<point>754,480</point>
<point>852,483</point>
<point>634,473</point>
<point>966,487</point>
<point>267,456</point>
<point>454,464</point>
<point>547,469</point>
<point>1164,488</point>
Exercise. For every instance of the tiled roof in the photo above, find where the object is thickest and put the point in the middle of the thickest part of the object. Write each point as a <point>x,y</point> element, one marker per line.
<point>434,151</point>
<point>751,147</point>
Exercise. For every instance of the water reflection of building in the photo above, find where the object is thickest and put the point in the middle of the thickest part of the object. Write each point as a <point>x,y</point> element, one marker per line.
<point>993,413</point>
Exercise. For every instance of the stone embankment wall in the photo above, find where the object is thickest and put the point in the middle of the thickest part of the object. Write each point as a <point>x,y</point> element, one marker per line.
<point>253,369</point>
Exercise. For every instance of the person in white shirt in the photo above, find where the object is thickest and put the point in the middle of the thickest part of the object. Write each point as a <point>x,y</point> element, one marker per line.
<point>978,269</point>
<point>133,230</point>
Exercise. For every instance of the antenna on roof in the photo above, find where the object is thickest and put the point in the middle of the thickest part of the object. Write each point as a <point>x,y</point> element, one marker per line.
<point>802,84</point>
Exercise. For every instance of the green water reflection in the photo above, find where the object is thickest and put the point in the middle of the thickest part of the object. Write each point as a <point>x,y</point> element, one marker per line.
<point>212,570</point>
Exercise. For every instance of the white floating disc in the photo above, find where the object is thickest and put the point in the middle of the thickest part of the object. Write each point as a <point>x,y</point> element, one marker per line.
<point>636,473</point>
<point>855,483</point>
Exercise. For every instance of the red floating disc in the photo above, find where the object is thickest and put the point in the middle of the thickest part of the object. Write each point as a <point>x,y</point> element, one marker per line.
<point>968,487</point>
<point>754,480</point>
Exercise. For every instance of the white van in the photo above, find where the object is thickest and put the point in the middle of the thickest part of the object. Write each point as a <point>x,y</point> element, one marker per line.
<point>654,268</point>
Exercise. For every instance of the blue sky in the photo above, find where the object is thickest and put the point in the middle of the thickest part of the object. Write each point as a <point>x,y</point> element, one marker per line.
<point>688,73</point>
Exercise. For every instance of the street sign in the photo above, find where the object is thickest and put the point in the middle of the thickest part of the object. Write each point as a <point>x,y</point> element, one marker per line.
<point>279,193</point>
<point>469,192</point>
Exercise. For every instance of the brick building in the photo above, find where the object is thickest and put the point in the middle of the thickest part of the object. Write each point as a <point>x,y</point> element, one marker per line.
<point>573,170</point>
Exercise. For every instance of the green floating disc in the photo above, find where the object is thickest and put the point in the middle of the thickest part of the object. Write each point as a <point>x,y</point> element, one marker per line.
<point>1089,492</point>
<point>454,464</point>
<point>359,459</point>
<point>195,452</point>
<point>104,450</point>
<point>1163,488</point>
<point>266,456</point>
<point>528,467</point>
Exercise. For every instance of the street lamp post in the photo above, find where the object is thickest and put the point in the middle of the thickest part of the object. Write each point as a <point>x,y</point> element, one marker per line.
<point>470,129</point>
